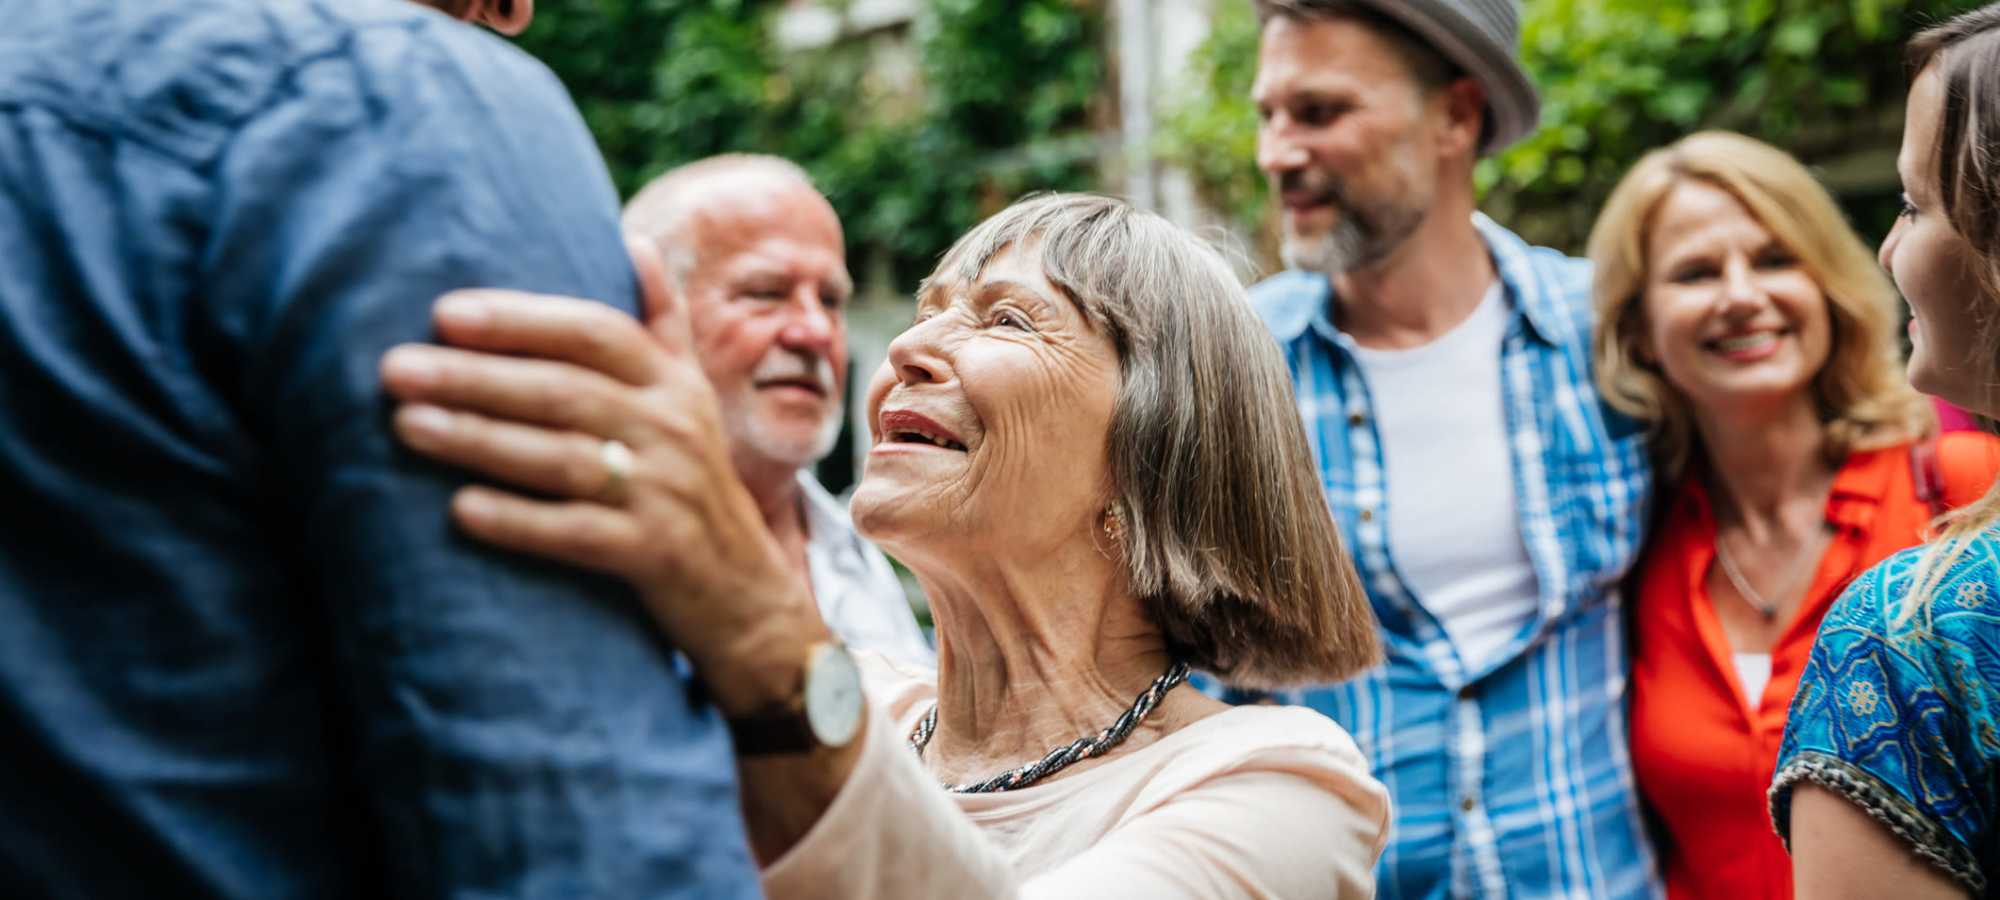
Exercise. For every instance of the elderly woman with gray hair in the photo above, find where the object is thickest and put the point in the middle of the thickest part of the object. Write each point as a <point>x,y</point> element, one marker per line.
<point>1086,450</point>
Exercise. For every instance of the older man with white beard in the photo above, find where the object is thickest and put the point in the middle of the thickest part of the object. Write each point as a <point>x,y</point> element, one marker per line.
<point>756,255</point>
<point>1491,502</point>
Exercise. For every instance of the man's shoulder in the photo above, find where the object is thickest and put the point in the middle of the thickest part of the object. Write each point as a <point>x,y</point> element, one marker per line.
<point>1876,601</point>
<point>1552,286</point>
<point>1509,246</point>
<point>184,76</point>
<point>1287,301</point>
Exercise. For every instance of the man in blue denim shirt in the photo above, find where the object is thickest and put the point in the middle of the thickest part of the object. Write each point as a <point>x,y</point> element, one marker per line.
<point>242,653</point>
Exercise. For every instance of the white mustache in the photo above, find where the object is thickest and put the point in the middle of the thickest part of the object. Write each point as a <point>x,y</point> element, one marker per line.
<point>786,366</point>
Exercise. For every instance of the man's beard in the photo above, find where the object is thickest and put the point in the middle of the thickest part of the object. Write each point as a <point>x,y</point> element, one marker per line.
<point>1361,236</point>
<point>1342,248</point>
<point>784,442</point>
<point>754,438</point>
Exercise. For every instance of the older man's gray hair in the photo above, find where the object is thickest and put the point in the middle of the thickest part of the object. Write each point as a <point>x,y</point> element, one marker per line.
<point>662,209</point>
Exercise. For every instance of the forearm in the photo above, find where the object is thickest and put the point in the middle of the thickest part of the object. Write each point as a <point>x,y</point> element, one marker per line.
<point>758,667</point>
<point>887,833</point>
<point>784,796</point>
<point>1839,852</point>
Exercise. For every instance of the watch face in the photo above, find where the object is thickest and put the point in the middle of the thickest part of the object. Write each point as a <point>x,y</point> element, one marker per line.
<point>833,695</point>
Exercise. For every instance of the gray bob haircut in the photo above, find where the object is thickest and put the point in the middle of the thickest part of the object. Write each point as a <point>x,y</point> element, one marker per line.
<point>1227,538</point>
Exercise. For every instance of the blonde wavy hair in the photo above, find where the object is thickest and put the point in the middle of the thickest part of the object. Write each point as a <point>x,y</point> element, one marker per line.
<point>1863,397</point>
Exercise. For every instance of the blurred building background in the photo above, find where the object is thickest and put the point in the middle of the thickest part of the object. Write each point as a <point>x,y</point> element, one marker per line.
<point>920,117</point>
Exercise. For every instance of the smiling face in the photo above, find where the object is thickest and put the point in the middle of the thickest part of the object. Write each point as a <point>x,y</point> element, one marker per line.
<point>989,420</point>
<point>1932,265</point>
<point>1347,135</point>
<point>1731,316</point>
<point>767,295</point>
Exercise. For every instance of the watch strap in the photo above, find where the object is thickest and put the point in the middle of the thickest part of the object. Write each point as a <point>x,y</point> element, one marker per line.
<point>773,731</point>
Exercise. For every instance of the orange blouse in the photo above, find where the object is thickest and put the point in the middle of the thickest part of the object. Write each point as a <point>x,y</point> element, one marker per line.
<point>1703,755</point>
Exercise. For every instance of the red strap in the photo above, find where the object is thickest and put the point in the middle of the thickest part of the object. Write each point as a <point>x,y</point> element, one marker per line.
<point>1928,476</point>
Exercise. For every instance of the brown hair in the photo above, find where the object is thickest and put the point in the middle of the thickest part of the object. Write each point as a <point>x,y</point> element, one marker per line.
<point>1966,50</point>
<point>1864,400</point>
<point>1227,539</point>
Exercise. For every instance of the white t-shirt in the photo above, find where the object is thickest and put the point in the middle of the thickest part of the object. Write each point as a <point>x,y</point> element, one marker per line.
<point>857,592</point>
<point>1454,526</point>
<point>1754,670</point>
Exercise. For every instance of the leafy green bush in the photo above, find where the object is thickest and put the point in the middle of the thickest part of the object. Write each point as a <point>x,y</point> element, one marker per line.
<point>1001,106</point>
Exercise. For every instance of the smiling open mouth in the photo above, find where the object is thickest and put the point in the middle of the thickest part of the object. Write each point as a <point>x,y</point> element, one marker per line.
<point>1756,340</point>
<point>918,437</point>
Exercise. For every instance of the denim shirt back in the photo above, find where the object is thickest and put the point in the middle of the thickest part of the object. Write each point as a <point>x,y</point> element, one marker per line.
<point>244,654</point>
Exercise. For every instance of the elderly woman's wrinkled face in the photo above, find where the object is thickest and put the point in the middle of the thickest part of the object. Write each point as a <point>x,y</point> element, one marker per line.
<point>1732,316</point>
<point>989,420</point>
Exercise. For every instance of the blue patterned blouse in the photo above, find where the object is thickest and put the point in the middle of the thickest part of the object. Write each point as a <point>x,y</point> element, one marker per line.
<point>1901,718</point>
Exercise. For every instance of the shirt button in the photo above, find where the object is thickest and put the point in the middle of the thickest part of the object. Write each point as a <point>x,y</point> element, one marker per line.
<point>1356,419</point>
<point>1467,803</point>
<point>1367,515</point>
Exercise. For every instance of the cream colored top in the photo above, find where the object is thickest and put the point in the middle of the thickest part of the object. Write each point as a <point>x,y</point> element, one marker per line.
<point>1254,801</point>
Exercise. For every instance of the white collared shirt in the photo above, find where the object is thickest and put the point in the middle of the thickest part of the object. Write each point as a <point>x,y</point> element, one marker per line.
<point>858,593</point>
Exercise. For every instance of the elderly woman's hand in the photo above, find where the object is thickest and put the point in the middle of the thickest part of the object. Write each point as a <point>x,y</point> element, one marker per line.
<point>616,430</point>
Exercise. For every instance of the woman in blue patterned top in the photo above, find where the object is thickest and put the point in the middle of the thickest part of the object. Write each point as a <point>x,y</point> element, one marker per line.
<point>1888,783</point>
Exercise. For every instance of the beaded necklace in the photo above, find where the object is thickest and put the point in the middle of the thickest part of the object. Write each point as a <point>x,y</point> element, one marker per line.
<point>1086,747</point>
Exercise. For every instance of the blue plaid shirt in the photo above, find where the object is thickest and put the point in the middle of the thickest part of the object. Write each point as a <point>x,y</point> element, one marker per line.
<point>1510,778</point>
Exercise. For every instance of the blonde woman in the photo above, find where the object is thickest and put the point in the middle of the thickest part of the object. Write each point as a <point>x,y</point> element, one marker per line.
<point>1753,332</point>
<point>1889,779</point>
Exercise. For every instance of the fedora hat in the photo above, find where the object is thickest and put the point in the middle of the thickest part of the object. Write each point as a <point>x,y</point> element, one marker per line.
<point>1482,38</point>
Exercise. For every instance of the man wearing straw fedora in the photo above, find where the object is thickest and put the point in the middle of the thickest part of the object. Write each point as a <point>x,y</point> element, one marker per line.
<point>1491,502</point>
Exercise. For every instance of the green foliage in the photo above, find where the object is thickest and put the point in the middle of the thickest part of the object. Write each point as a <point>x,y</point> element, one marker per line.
<point>1821,78</point>
<point>1000,106</point>
<point>1210,126</point>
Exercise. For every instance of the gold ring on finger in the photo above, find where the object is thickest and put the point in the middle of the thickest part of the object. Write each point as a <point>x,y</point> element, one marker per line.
<point>617,459</point>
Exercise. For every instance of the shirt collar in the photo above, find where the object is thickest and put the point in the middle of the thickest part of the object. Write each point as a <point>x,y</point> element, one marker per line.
<point>1307,294</point>
<point>823,514</point>
<point>1531,289</point>
<point>1858,488</point>
<point>1526,288</point>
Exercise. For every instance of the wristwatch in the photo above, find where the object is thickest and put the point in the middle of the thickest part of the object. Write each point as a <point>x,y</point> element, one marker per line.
<point>825,711</point>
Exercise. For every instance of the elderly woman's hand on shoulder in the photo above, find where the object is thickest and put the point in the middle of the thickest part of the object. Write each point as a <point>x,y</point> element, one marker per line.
<point>615,433</point>
<point>1085,449</point>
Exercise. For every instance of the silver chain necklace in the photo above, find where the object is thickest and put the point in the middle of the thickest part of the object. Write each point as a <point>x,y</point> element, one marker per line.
<point>1086,747</point>
<point>1765,608</point>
